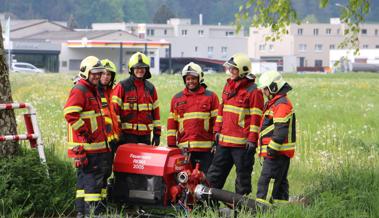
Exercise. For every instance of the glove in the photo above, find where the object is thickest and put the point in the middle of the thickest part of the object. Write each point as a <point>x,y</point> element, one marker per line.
<point>214,148</point>
<point>156,140</point>
<point>217,138</point>
<point>80,156</point>
<point>87,136</point>
<point>251,147</point>
<point>272,152</point>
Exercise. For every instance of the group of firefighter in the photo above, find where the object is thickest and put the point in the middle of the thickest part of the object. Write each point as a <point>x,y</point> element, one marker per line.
<point>102,115</point>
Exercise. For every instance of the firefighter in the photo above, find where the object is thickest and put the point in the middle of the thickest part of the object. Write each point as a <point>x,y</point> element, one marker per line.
<point>192,117</point>
<point>135,101</point>
<point>277,137</point>
<point>236,128</point>
<point>107,81</point>
<point>87,139</point>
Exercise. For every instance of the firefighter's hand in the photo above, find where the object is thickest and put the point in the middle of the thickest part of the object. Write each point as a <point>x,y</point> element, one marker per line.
<point>81,162</point>
<point>88,137</point>
<point>156,140</point>
<point>272,152</point>
<point>217,138</point>
<point>214,148</point>
<point>251,147</point>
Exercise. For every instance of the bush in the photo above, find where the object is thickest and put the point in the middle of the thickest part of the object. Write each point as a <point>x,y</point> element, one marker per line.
<point>25,189</point>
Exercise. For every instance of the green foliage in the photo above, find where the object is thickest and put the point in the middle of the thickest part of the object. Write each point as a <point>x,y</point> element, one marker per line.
<point>277,15</point>
<point>163,14</point>
<point>25,189</point>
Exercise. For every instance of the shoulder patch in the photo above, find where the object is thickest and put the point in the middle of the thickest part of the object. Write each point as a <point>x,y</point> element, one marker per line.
<point>252,87</point>
<point>81,88</point>
<point>150,87</point>
<point>127,85</point>
<point>208,93</point>
<point>179,94</point>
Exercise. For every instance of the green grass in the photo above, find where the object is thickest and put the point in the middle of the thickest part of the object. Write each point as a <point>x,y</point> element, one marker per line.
<point>336,164</point>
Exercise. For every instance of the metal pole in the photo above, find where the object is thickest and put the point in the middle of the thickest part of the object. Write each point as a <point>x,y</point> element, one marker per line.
<point>120,64</point>
<point>145,49</point>
<point>169,59</point>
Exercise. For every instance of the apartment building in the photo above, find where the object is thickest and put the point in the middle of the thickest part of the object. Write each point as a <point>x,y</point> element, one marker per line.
<point>187,39</point>
<point>307,45</point>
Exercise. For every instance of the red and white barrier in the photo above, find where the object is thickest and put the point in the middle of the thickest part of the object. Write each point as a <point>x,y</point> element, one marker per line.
<point>33,132</point>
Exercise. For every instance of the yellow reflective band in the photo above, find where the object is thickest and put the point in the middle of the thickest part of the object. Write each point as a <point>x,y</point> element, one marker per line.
<point>108,120</point>
<point>145,107</point>
<point>232,139</point>
<point>117,100</point>
<point>233,109</point>
<point>104,100</point>
<point>133,126</point>
<point>196,115</point>
<point>172,115</point>
<point>77,124</point>
<point>270,189</point>
<point>281,147</point>
<point>89,114</point>
<point>92,197</point>
<point>274,145</point>
<point>156,123</point>
<point>255,111</point>
<point>128,106</point>
<point>283,119</point>
<point>269,113</point>
<point>156,104</point>
<point>206,124</point>
<point>72,109</point>
<point>195,144</point>
<point>219,119</point>
<point>118,118</point>
<point>267,130</point>
<point>214,113</point>
<point>262,201</point>
<point>263,149</point>
<point>171,132</point>
<point>88,146</point>
<point>104,193</point>
<point>80,193</point>
<point>254,128</point>
<point>277,201</point>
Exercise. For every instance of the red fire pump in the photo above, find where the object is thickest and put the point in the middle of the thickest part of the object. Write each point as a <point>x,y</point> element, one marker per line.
<point>145,175</point>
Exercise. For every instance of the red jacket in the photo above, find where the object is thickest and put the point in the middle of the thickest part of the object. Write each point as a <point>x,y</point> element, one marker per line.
<point>191,119</point>
<point>111,125</point>
<point>239,113</point>
<point>278,126</point>
<point>136,104</point>
<point>82,112</point>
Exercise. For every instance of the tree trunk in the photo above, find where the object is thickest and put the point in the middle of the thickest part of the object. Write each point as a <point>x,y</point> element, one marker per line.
<point>8,124</point>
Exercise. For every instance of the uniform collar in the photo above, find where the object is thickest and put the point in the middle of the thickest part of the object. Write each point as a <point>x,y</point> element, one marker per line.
<point>200,91</point>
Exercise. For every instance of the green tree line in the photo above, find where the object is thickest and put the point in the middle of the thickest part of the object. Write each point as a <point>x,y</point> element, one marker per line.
<point>82,13</point>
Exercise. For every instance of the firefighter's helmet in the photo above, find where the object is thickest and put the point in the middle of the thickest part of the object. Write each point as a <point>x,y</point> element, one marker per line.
<point>241,62</point>
<point>90,64</point>
<point>110,67</point>
<point>193,70</point>
<point>139,60</point>
<point>272,80</point>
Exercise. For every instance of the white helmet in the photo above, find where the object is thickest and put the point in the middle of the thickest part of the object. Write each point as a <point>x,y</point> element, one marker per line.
<point>90,64</point>
<point>272,80</point>
<point>193,70</point>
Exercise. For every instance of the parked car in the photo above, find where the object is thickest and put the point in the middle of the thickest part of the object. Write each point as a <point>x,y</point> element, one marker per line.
<point>25,67</point>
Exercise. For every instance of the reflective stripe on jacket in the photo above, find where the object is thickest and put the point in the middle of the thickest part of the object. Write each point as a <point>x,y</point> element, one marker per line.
<point>239,113</point>
<point>192,118</point>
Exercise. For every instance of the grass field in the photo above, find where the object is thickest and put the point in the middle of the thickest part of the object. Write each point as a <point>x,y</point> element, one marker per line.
<point>337,158</point>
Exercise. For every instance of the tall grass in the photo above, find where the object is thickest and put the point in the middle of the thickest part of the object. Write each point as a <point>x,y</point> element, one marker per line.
<point>336,164</point>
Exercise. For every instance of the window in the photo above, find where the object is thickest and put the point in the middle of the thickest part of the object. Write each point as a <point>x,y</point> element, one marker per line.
<point>332,46</point>
<point>318,47</point>
<point>262,47</point>
<point>64,63</point>
<point>150,32</point>
<point>376,46</point>
<point>165,32</point>
<point>365,46</point>
<point>201,32</point>
<point>167,52</point>
<point>376,32</point>
<point>364,31</point>
<point>184,32</point>
<point>318,63</point>
<point>300,31</point>
<point>210,51</point>
<point>302,47</point>
<point>328,31</point>
<point>195,48</point>
<point>224,51</point>
<point>315,31</point>
<point>229,33</point>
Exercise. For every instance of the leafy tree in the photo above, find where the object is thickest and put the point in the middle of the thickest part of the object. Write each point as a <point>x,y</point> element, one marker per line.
<point>7,118</point>
<point>279,14</point>
<point>163,14</point>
